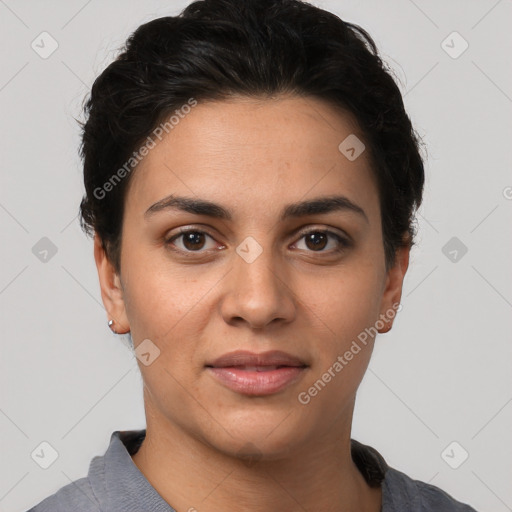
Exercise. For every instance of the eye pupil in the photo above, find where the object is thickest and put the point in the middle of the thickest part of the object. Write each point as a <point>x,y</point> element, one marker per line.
<point>314,239</point>
<point>193,240</point>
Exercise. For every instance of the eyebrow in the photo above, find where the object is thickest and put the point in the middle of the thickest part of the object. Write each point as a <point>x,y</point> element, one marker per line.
<point>321,205</point>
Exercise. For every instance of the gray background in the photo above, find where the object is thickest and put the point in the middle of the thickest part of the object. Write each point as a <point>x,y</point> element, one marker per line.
<point>441,375</point>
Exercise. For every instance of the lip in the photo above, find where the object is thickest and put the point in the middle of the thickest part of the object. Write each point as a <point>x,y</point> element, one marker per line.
<point>253,374</point>
<point>247,358</point>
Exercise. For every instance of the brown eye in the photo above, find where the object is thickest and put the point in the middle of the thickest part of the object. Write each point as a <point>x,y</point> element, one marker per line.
<point>191,240</point>
<point>318,240</point>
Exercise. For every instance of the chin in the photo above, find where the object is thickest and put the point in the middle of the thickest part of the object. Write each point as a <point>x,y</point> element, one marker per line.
<point>257,434</point>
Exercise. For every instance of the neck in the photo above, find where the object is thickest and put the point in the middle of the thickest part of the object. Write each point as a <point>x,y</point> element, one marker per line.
<point>190,474</point>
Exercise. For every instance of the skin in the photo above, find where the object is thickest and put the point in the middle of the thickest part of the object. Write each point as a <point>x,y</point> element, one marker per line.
<point>252,156</point>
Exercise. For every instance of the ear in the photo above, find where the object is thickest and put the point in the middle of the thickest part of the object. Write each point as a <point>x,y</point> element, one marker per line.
<point>111,290</point>
<point>393,288</point>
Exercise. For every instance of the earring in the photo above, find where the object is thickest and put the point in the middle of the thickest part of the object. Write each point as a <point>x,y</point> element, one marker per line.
<point>110,323</point>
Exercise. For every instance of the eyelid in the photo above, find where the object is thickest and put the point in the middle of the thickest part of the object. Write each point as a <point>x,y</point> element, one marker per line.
<point>324,229</point>
<point>342,238</point>
<point>343,241</point>
<point>169,240</point>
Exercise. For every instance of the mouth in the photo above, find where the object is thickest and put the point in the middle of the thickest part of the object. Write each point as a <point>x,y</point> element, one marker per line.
<point>255,368</point>
<point>253,374</point>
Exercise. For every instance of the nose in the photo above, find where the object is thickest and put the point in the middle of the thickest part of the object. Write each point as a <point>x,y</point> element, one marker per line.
<point>258,293</point>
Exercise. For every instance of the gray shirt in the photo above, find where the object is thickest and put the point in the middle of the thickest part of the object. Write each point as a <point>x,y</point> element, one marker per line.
<point>115,484</point>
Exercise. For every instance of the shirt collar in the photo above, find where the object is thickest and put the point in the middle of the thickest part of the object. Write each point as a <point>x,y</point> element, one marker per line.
<point>119,484</point>
<point>117,481</point>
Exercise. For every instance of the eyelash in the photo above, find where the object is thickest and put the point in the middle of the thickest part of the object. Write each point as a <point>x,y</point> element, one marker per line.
<point>343,242</point>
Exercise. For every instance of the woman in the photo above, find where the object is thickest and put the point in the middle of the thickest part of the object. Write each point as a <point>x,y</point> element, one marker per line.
<point>251,181</point>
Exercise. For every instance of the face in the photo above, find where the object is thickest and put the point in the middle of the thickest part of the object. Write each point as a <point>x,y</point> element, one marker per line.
<point>257,260</point>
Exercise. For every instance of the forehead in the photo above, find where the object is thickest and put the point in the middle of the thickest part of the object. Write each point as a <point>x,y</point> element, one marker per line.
<point>239,151</point>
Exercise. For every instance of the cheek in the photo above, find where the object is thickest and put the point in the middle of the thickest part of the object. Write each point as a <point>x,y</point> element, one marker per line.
<point>346,301</point>
<point>341,313</point>
<point>159,295</point>
<point>169,316</point>
<point>340,310</point>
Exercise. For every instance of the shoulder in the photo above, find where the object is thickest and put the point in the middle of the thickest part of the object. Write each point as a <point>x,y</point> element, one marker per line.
<point>402,493</point>
<point>111,483</point>
<point>77,495</point>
